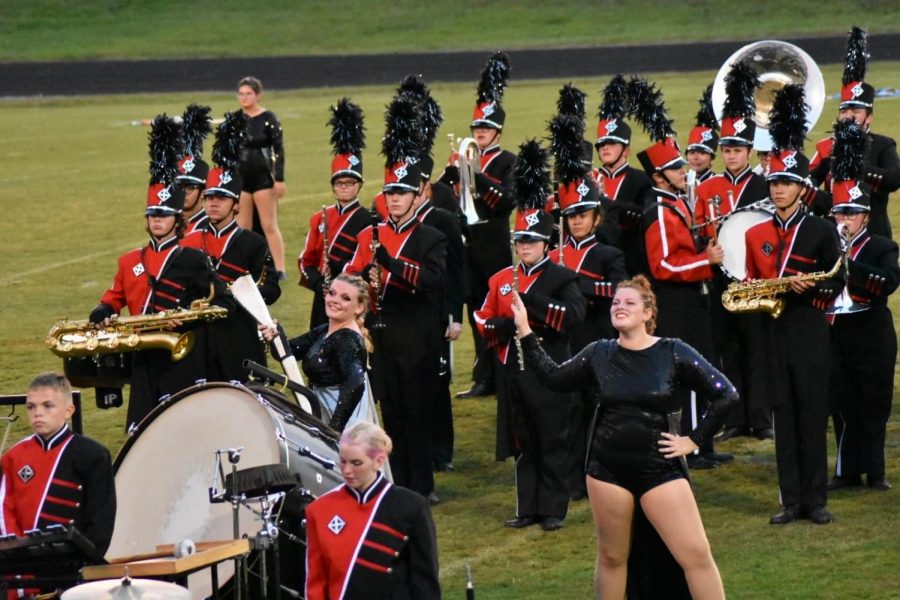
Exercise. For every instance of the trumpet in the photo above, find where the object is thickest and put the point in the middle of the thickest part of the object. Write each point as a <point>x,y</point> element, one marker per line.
<point>469,164</point>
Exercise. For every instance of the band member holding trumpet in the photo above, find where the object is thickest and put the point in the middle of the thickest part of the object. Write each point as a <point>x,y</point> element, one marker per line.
<point>234,252</point>
<point>864,343</point>
<point>333,231</point>
<point>532,421</point>
<point>160,276</point>
<point>488,238</point>
<point>406,265</point>
<point>192,169</point>
<point>781,251</point>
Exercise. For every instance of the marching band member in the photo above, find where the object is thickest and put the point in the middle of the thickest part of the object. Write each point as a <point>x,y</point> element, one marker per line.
<point>234,252</point>
<point>532,421</point>
<point>262,169</point>
<point>368,538</point>
<point>792,243</point>
<point>677,268</point>
<point>488,240</point>
<point>599,266</point>
<point>864,342</point>
<point>160,276</point>
<point>406,265</point>
<point>703,140</point>
<point>625,186</point>
<point>882,166</point>
<point>192,169</point>
<point>340,223</point>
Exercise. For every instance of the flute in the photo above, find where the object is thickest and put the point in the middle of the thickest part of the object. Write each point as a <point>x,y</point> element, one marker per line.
<point>516,339</point>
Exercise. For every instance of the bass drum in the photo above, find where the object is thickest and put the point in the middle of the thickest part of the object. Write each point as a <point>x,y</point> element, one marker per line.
<point>165,470</point>
<point>731,234</point>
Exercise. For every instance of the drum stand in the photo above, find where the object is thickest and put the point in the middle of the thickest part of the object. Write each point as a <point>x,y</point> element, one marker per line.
<point>267,539</point>
<point>233,496</point>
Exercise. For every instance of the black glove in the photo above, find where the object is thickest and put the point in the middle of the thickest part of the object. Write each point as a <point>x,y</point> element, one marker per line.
<point>285,344</point>
<point>451,175</point>
<point>502,326</point>
<point>101,312</point>
<point>383,256</point>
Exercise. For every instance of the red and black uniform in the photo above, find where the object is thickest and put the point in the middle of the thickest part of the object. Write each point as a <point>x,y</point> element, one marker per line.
<point>236,252</point>
<point>864,347</point>
<point>158,277</point>
<point>627,188</point>
<point>706,174</point>
<point>451,309</point>
<point>342,227</point>
<point>412,263</point>
<point>65,480</point>
<point>881,170</point>
<point>796,353</point>
<point>379,543</point>
<point>746,188</point>
<point>532,420</point>
<point>487,248</point>
<point>197,222</point>
<point>679,273</point>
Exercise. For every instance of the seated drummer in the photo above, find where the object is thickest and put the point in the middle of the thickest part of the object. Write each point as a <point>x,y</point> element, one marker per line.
<point>55,476</point>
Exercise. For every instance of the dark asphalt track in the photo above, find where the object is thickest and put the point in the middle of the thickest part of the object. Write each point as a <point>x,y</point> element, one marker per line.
<point>131,76</point>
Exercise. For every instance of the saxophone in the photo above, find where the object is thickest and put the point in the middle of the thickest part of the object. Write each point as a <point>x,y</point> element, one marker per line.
<point>128,334</point>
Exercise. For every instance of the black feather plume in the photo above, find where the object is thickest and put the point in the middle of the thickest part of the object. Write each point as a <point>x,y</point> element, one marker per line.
<point>430,113</point>
<point>787,119</point>
<point>531,175</point>
<point>230,135</point>
<point>615,99</point>
<point>403,138</point>
<point>166,149</point>
<point>566,134</point>
<point>740,89</point>
<point>493,78</point>
<point>571,101</point>
<point>857,56</point>
<point>348,136</point>
<point>649,109</point>
<point>414,85</point>
<point>849,150</point>
<point>706,116</point>
<point>196,124</point>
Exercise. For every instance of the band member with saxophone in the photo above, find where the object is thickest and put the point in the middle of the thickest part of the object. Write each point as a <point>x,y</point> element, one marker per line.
<point>532,421</point>
<point>735,336</point>
<point>234,252</point>
<point>625,186</point>
<point>882,165</point>
<point>488,240</point>
<point>192,169</point>
<point>598,265</point>
<point>863,339</point>
<point>408,263</point>
<point>159,276</point>
<point>703,139</point>
<point>677,268</point>
<point>793,243</point>
<point>339,224</point>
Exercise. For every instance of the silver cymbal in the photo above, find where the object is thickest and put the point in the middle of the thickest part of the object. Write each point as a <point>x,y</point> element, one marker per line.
<point>127,589</point>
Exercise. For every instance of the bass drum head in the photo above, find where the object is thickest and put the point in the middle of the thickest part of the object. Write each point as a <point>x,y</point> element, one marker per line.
<point>731,234</point>
<point>164,472</point>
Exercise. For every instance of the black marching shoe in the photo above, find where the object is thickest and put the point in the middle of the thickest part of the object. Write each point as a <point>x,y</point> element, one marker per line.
<point>789,514</point>
<point>878,483</point>
<point>552,523</point>
<point>478,389</point>
<point>820,515</point>
<point>433,498</point>
<point>698,462</point>
<point>719,457</point>
<point>520,522</point>
<point>765,433</point>
<point>732,432</point>
<point>838,482</point>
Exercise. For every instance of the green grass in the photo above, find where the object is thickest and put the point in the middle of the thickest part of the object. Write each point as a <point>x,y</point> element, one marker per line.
<point>73,185</point>
<point>65,29</point>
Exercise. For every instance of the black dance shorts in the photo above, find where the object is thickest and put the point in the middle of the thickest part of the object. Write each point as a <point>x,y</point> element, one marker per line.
<point>624,450</point>
<point>256,180</point>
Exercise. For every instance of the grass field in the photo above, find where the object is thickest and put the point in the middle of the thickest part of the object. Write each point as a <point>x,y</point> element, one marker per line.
<point>73,184</point>
<point>62,29</point>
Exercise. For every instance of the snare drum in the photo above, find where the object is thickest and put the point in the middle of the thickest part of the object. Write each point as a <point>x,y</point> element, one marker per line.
<point>731,234</point>
<point>165,470</point>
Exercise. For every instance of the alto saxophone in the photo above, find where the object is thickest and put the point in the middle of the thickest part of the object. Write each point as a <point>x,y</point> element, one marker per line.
<point>129,334</point>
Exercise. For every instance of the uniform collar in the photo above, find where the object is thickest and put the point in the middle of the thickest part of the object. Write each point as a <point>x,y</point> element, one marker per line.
<point>164,245</point>
<point>735,179</point>
<point>616,173</point>
<point>661,193</point>
<point>791,221</point>
<point>861,236</point>
<point>342,210</point>
<point>227,230</point>
<point>55,440</point>
<point>409,224</point>
<point>536,267</point>
<point>423,208</point>
<point>705,174</point>
<point>198,216</point>
<point>591,239</point>
<point>491,150</point>
<point>370,492</point>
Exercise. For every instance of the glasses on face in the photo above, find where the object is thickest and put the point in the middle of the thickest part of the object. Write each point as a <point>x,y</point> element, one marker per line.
<point>345,183</point>
<point>848,214</point>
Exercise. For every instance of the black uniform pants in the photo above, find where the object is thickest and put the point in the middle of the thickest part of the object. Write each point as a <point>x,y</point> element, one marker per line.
<point>154,375</point>
<point>230,342</point>
<point>741,357</point>
<point>442,449</point>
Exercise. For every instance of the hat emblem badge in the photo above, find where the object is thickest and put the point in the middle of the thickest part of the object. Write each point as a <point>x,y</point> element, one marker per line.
<point>739,125</point>
<point>583,189</point>
<point>164,194</point>
<point>855,192</point>
<point>790,160</point>
<point>706,135</point>
<point>611,126</point>
<point>353,160</point>
<point>857,90</point>
<point>225,178</point>
<point>488,109</point>
<point>400,172</point>
<point>188,165</point>
<point>532,219</point>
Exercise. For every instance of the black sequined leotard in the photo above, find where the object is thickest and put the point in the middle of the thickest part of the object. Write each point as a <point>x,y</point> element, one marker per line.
<point>635,398</point>
<point>337,360</point>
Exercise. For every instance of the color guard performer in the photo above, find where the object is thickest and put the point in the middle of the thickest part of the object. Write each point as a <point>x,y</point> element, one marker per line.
<point>406,263</point>
<point>338,225</point>
<point>864,343</point>
<point>532,421</point>
<point>703,140</point>
<point>882,166</point>
<point>162,275</point>
<point>234,252</point>
<point>192,169</point>
<point>488,240</point>
<point>793,243</point>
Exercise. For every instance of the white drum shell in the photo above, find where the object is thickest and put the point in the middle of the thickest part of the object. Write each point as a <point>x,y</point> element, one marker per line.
<point>732,237</point>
